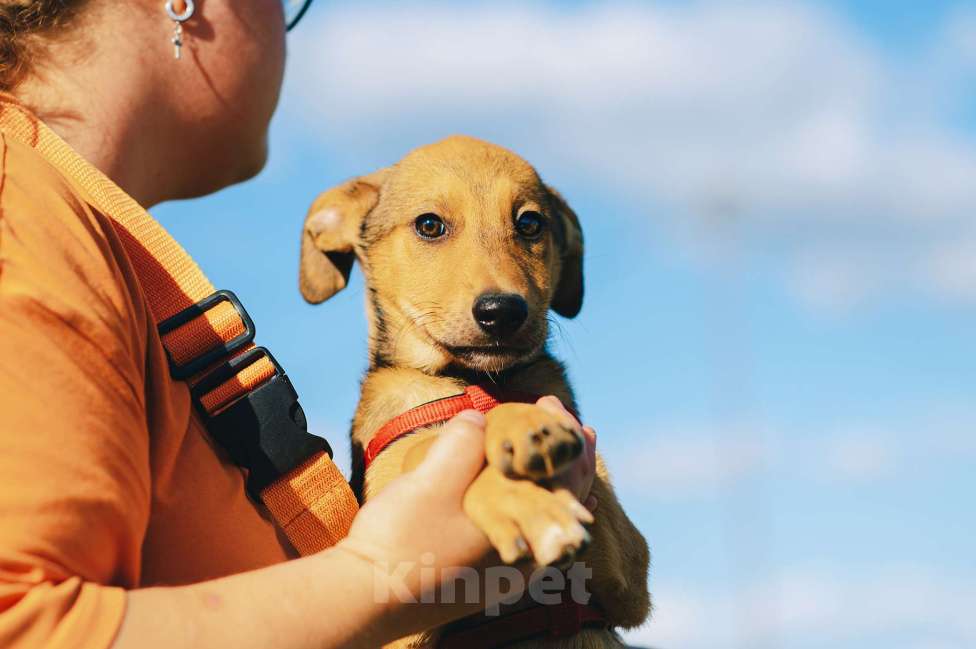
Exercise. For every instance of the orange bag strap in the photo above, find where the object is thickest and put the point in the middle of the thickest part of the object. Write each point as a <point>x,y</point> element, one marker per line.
<point>240,391</point>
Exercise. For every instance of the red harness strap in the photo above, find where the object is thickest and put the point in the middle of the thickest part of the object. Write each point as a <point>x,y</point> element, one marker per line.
<point>562,620</point>
<point>476,397</point>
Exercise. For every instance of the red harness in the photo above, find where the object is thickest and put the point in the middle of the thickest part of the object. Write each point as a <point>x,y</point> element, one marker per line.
<point>478,631</point>
<point>476,397</point>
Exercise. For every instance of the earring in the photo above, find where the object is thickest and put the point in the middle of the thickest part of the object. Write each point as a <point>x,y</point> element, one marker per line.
<point>178,20</point>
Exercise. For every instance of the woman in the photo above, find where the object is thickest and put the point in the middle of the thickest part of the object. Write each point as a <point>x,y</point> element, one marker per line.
<point>108,482</point>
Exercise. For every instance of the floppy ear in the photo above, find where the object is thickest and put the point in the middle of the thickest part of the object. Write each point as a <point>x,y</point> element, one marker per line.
<point>568,298</point>
<point>330,235</point>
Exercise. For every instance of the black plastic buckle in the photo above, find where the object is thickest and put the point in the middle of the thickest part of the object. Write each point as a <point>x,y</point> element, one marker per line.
<point>265,431</point>
<point>214,354</point>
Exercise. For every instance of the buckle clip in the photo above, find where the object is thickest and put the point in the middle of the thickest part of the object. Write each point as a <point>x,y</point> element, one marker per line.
<point>204,360</point>
<point>265,430</point>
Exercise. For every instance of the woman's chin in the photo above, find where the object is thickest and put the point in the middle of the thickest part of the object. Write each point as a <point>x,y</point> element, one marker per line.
<point>242,166</point>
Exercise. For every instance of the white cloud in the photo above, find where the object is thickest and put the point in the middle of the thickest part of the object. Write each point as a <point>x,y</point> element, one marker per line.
<point>903,607</point>
<point>961,37</point>
<point>778,113</point>
<point>952,270</point>
<point>678,462</point>
<point>862,457</point>
<point>834,279</point>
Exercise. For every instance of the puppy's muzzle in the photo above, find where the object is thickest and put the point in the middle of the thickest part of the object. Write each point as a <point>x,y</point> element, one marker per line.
<point>500,314</point>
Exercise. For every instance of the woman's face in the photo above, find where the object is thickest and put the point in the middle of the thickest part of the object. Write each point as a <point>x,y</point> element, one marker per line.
<point>226,88</point>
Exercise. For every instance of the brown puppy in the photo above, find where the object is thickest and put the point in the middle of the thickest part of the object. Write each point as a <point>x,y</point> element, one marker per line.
<point>464,251</point>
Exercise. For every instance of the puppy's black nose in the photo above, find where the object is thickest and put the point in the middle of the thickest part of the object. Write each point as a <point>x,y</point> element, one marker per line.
<point>500,314</point>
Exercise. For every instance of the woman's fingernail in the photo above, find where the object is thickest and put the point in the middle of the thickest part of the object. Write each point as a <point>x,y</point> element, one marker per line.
<point>472,416</point>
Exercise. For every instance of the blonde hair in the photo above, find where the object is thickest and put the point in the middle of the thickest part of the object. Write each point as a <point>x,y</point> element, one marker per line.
<point>22,22</point>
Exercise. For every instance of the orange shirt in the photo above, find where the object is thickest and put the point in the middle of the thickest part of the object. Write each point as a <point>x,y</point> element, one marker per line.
<point>108,480</point>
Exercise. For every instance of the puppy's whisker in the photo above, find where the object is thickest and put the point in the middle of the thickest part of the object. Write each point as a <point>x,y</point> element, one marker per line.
<point>558,332</point>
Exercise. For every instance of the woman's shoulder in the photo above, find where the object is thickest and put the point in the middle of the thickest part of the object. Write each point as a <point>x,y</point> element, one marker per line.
<point>57,252</point>
<point>34,193</point>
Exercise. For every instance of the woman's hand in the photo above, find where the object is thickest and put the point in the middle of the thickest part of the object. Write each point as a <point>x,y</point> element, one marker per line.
<point>417,522</point>
<point>421,511</point>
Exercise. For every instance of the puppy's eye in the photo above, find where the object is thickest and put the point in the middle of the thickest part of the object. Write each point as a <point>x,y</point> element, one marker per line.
<point>530,224</point>
<point>430,226</point>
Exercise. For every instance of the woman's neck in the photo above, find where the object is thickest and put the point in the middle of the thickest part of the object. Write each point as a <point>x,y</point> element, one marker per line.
<point>111,121</point>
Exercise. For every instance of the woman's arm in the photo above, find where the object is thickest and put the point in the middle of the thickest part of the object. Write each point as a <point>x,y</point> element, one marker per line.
<point>348,596</point>
<point>75,481</point>
<point>338,598</point>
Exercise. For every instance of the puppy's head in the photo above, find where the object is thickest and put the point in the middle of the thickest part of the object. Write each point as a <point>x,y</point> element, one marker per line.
<point>464,251</point>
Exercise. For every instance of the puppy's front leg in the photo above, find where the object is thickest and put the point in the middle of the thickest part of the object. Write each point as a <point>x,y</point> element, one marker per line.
<point>529,441</point>
<point>519,517</point>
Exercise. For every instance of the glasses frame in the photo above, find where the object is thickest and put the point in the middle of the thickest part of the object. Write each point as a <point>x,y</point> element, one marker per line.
<point>298,16</point>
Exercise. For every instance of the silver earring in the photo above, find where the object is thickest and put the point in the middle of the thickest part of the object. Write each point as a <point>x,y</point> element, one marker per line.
<point>178,20</point>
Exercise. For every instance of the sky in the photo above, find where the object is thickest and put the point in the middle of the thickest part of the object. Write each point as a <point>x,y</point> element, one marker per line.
<point>776,347</point>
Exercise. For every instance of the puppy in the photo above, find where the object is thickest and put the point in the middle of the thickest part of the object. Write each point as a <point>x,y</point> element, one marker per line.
<point>464,252</point>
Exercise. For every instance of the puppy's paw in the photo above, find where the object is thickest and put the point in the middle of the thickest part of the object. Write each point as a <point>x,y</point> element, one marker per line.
<point>521,518</point>
<point>526,441</point>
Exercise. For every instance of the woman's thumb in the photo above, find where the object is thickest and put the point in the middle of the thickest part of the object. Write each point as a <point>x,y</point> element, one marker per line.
<point>458,454</point>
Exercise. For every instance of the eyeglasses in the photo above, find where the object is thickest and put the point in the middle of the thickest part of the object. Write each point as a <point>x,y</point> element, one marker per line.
<point>294,10</point>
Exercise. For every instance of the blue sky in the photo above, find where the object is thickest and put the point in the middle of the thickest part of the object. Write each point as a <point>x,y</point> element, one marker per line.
<point>776,346</point>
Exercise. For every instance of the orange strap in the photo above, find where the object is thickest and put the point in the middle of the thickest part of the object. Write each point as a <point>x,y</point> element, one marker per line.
<point>474,397</point>
<point>313,504</point>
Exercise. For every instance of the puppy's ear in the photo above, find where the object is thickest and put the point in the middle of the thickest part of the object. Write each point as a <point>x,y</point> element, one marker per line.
<point>331,232</point>
<point>568,298</point>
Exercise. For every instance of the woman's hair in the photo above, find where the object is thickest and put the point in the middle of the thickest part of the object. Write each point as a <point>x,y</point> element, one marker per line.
<point>21,23</point>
